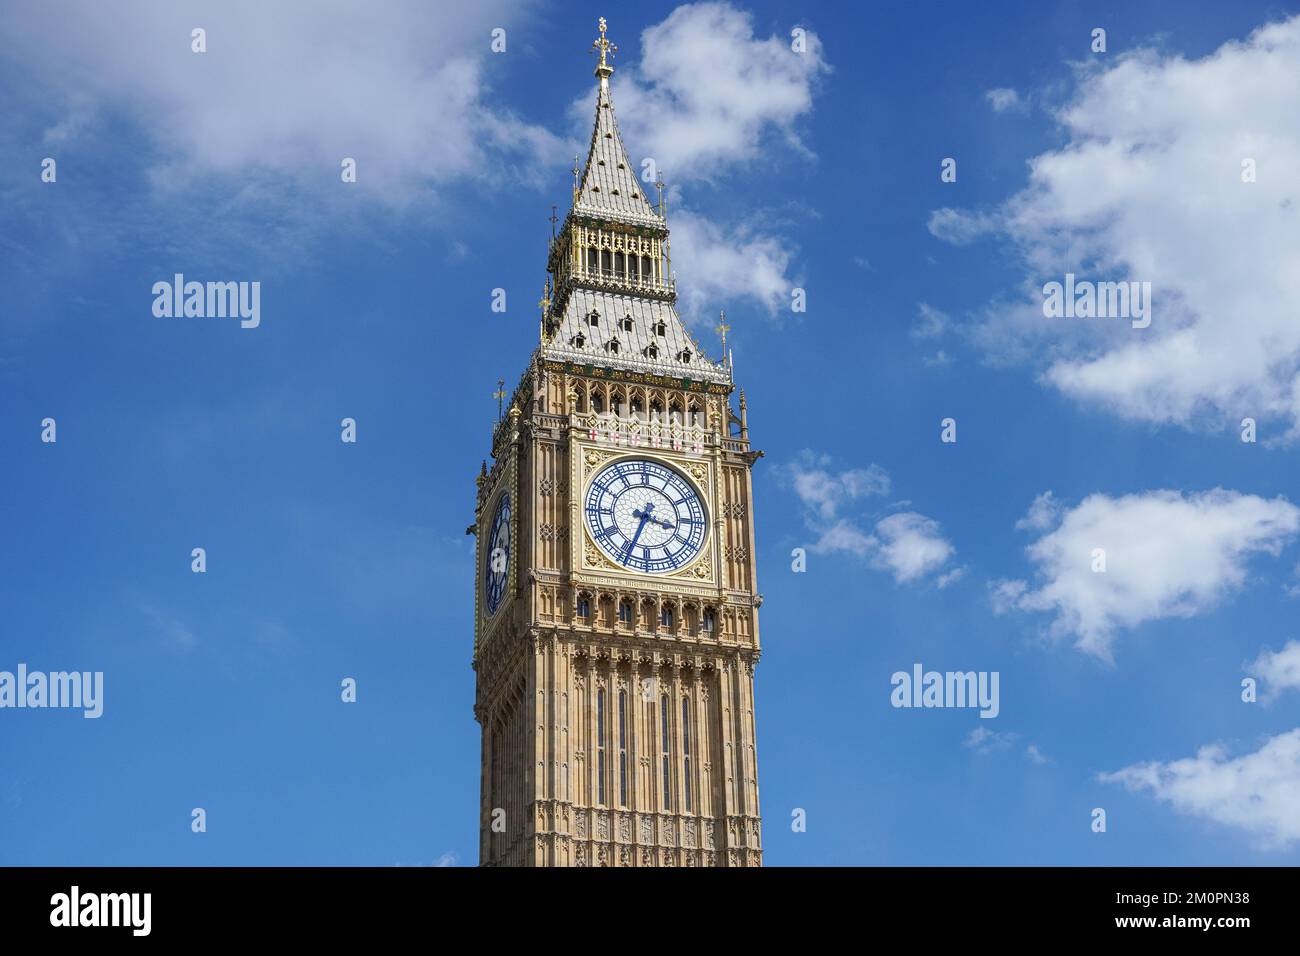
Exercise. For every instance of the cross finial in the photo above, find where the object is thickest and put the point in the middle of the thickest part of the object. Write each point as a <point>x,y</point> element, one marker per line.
<point>500,395</point>
<point>723,328</point>
<point>659,184</point>
<point>607,51</point>
<point>554,220</point>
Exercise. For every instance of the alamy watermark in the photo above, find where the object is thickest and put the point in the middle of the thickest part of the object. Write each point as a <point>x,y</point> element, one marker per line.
<point>72,689</point>
<point>922,688</point>
<point>208,300</point>
<point>1098,300</point>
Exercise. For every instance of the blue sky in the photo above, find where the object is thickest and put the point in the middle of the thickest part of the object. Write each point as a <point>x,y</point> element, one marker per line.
<point>818,171</point>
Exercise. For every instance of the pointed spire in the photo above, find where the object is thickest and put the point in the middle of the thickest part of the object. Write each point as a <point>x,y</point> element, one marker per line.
<point>609,186</point>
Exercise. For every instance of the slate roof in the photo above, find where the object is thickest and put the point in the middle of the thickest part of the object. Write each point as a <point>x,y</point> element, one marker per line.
<point>611,187</point>
<point>610,190</point>
<point>633,352</point>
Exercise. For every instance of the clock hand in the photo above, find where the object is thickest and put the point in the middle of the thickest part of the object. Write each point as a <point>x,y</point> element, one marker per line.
<point>639,528</point>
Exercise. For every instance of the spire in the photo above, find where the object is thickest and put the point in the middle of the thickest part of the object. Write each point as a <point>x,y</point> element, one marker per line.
<point>612,302</point>
<point>609,187</point>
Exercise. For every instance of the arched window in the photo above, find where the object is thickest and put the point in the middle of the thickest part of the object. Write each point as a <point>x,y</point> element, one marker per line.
<point>707,625</point>
<point>613,347</point>
<point>633,266</point>
<point>625,612</point>
<point>627,322</point>
<point>597,403</point>
<point>645,268</point>
<point>584,607</point>
<point>605,265</point>
<point>666,616</point>
<point>600,746</point>
<point>686,750</point>
<point>664,740</point>
<point>661,329</point>
<point>622,748</point>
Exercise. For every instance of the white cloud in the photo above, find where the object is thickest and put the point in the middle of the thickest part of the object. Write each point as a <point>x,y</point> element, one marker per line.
<point>931,323</point>
<point>982,740</point>
<point>1166,555</point>
<point>909,546</point>
<point>958,227</point>
<point>707,93</point>
<point>951,577</point>
<point>1042,513</point>
<point>402,87</point>
<point>906,544</point>
<point>1148,187</point>
<point>1280,670</point>
<point>1257,792</point>
<point>723,265</point>
<point>826,491</point>
<point>1003,99</point>
<point>985,741</point>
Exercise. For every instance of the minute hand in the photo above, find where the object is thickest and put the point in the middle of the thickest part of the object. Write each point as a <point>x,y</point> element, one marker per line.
<point>639,528</point>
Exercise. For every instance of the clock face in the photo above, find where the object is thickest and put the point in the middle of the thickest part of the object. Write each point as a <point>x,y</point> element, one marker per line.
<point>498,556</point>
<point>645,516</point>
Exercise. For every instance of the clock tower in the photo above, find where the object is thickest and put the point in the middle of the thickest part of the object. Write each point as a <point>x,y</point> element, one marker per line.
<point>616,612</point>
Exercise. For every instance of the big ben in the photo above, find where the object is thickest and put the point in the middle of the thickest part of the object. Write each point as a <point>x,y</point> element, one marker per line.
<point>616,613</point>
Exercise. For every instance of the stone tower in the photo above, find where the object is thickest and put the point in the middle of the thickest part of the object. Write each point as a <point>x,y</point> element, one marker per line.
<point>616,612</point>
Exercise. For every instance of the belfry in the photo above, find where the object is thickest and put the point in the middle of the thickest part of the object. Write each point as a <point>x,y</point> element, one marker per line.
<point>616,612</point>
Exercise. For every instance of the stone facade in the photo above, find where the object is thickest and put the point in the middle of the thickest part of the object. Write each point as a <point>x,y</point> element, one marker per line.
<point>617,707</point>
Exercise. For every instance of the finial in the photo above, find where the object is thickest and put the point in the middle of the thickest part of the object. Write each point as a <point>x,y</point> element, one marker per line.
<point>607,51</point>
<point>723,328</point>
<point>576,172</point>
<point>554,220</point>
<point>500,395</point>
<point>659,184</point>
<point>544,303</point>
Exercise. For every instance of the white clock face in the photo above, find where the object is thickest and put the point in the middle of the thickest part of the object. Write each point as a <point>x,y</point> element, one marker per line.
<point>645,516</point>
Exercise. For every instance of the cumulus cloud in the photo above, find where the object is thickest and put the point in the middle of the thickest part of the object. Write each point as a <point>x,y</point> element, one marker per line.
<point>1166,555</point>
<point>758,89</point>
<point>402,87</point>
<point>1148,186</point>
<point>1258,793</point>
<point>708,93</point>
<point>909,546</point>
<point>1280,670</point>
<point>906,544</point>
<point>724,264</point>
